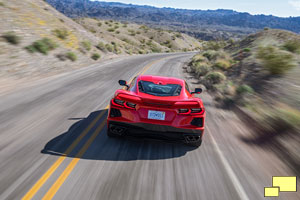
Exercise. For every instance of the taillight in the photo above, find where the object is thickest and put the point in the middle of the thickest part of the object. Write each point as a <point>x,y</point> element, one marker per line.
<point>122,103</point>
<point>118,102</point>
<point>130,105</point>
<point>196,110</point>
<point>190,111</point>
<point>183,110</point>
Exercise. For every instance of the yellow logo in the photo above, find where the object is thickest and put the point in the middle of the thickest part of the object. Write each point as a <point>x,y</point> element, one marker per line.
<point>281,184</point>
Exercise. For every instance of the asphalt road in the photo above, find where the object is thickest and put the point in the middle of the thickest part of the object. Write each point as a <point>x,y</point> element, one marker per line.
<point>53,144</point>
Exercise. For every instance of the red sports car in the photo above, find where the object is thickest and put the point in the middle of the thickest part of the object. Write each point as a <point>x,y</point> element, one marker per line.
<point>157,107</point>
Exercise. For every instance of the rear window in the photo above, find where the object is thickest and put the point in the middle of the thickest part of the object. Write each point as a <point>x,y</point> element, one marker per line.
<point>159,90</point>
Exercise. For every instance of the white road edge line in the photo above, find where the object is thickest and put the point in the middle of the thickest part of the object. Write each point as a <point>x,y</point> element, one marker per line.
<point>235,181</point>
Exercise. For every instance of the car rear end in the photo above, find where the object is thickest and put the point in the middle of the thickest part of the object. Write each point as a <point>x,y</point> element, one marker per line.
<point>163,118</point>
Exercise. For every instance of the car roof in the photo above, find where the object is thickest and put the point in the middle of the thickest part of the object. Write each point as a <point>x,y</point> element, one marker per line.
<point>161,79</point>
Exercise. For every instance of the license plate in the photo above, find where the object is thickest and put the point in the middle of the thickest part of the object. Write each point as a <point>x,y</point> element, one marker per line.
<point>158,115</point>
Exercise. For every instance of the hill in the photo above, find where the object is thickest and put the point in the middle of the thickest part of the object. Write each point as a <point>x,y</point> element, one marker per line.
<point>38,41</point>
<point>259,78</point>
<point>204,24</point>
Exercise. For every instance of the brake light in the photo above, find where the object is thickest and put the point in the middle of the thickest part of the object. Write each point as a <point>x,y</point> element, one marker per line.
<point>183,110</point>
<point>187,111</point>
<point>130,105</point>
<point>196,110</point>
<point>118,102</point>
<point>122,103</point>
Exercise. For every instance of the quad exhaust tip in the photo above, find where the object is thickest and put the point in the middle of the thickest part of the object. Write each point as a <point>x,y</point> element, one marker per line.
<point>118,130</point>
<point>192,138</point>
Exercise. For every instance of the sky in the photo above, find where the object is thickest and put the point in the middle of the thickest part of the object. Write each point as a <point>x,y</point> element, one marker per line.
<point>281,8</point>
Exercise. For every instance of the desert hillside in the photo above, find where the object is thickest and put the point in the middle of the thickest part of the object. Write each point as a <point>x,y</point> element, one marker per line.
<point>259,78</point>
<point>203,24</point>
<point>38,41</point>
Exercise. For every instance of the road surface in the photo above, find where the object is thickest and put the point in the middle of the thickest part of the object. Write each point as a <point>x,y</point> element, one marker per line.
<point>53,144</point>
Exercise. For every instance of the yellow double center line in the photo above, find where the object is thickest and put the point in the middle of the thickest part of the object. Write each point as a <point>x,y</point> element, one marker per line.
<point>54,188</point>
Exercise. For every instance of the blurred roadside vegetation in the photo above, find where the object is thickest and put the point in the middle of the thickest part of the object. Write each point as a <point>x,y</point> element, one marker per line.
<point>246,74</point>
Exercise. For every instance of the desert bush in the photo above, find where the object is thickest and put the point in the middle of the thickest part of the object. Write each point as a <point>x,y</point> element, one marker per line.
<point>125,25</point>
<point>155,49</point>
<point>231,41</point>
<point>99,24</point>
<point>11,38</point>
<point>210,54</point>
<point>101,46</point>
<point>131,32</point>
<point>178,35</point>
<point>246,49</point>
<point>92,30</point>
<point>109,47</point>
<point>138,32</point>
<point>167,42</point>
<point>276,61</point>
<point>244,89</point>
<point>292,46</point>
<point>71,56</point>
<point>214,45</point>
<point>215,77</point>
<point>143,41</point>
<point>222,64</point>
<point>61,33</point>
<point>229,88</point>
<point>116,48</point>
<point>111,30</point>
<point>128,41</point>
<point>149,42</point>
<point>43,46</point>
<point>106,22</point>
<point>144,27</point>
<point>199,58</point>
<point>96,56</point>
<point>201,69</point>
<point>282,117</point>
<point>2,4</point>
<point>86,45</point>
<point>117,32</point>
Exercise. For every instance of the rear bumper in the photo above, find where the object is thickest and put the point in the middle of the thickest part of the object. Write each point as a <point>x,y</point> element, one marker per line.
<point>155,131</point>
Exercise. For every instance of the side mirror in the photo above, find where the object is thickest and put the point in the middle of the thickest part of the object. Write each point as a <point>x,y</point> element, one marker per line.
<point>197,91</point>
<point>123,83</point>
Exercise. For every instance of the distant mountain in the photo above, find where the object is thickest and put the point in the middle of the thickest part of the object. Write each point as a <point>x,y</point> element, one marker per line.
<point>205,24</point>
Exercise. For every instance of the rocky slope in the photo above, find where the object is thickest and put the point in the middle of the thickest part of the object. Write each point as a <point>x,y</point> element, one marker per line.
<point>37,41</point>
